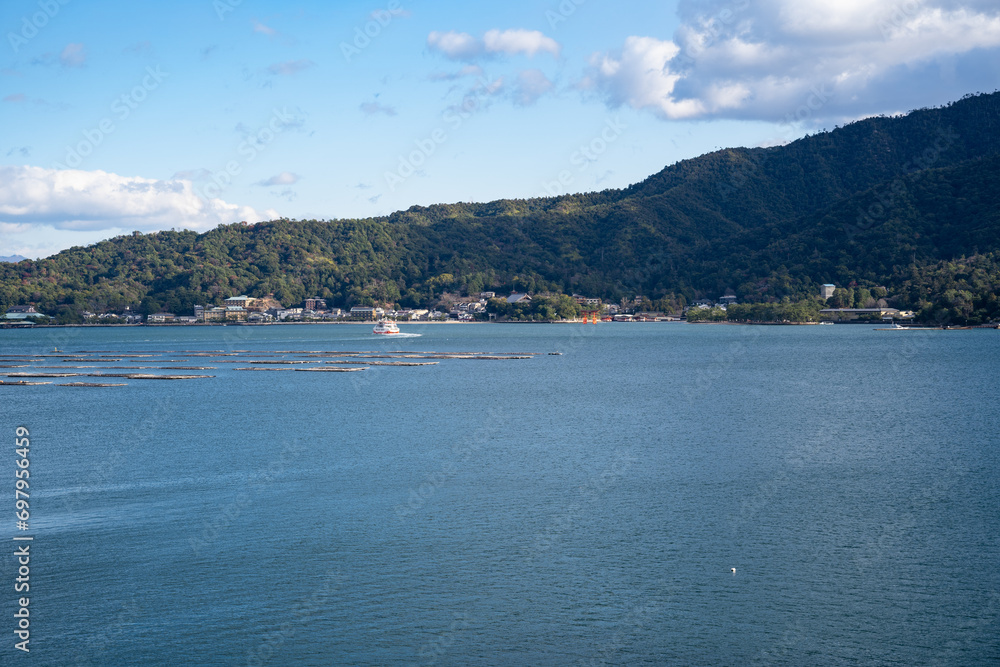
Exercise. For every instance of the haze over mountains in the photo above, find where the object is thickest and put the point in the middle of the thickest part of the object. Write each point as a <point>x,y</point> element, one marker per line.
<point>910,203</point>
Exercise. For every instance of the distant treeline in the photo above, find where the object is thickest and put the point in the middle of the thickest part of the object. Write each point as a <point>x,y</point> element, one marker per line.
<point>806,310</point>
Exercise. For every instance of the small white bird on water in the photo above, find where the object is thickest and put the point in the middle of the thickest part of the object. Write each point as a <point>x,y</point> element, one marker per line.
<point>733,570</point>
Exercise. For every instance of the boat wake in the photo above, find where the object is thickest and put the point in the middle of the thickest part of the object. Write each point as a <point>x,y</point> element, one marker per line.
<point>405,335</point>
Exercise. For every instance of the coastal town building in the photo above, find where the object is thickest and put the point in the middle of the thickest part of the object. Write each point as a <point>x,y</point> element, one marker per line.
<point>214,314</point>
<point>161,318</point>
<point>236,314</point>
<point>243,301</point>
<point>363,312</point>
<point>826,291</point>
<point>518,297</point>
<point>855,313</point>
<point>21,313</point>
<point>586,300</point>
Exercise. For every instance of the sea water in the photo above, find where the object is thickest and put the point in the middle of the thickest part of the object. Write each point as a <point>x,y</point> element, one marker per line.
<point>582,508</point>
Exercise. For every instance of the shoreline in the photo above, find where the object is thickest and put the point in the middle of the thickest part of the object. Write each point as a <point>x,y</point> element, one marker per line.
<point>454,322</point>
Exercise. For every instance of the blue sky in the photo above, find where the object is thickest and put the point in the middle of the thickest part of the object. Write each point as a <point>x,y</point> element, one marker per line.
<point>142,115</point>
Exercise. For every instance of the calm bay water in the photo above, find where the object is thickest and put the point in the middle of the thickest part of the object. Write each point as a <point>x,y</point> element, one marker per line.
<point>577,509</point>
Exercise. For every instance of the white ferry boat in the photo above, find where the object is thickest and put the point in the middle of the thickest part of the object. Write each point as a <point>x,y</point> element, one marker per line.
<point>386,327</point>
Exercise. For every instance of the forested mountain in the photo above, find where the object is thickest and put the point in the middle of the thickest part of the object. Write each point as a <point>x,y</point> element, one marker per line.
<point>909,203</point>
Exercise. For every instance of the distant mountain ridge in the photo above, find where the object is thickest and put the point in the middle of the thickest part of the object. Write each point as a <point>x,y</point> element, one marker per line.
<point>12,258</point>
<point>907,203</point>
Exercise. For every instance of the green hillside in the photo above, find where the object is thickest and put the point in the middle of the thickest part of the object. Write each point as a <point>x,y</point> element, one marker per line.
<point>910,204</point>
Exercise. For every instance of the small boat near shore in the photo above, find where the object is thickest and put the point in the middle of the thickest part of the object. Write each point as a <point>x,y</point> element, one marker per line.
<point>386,327</point>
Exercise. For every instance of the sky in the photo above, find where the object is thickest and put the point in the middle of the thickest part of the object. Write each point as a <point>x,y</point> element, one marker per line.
<point>190,114</point>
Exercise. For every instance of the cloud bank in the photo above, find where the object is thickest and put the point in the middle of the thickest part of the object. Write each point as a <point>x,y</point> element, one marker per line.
<point>770,59</point>
<point>465,47</point>
<point>70,199</point>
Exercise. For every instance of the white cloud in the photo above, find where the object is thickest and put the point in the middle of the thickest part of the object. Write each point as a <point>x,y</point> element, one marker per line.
<point>511,42</point>
<point>467,70</point>
<point>373,108</point>
<point>13,228</point>
<point>775,59</point>
<point>529,86</point>
<point>73,56</point>
<point>455,45</point>
<point>463,46</point>
<point>290,67</point>
<point>263,29</point>
<point>638,76</point>
<point>284,178</point>
<point>72,199</point>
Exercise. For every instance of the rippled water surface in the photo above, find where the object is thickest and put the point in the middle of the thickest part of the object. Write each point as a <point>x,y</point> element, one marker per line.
<point>582,508</point>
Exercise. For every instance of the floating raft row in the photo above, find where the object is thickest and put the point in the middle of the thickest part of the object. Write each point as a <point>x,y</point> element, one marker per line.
<point>148,376</point>
<point>385,363</point>
<point>21,383</point>
<point>331,353</point>
<point>495,358</point>
<point>278,361</point>
<point>212,354</point>
<point>325,356</point>
<point>334,361</point>
<point>101,367</point>
<point>328,369</point>
<point>263,368</point>
<point>185,368</point>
